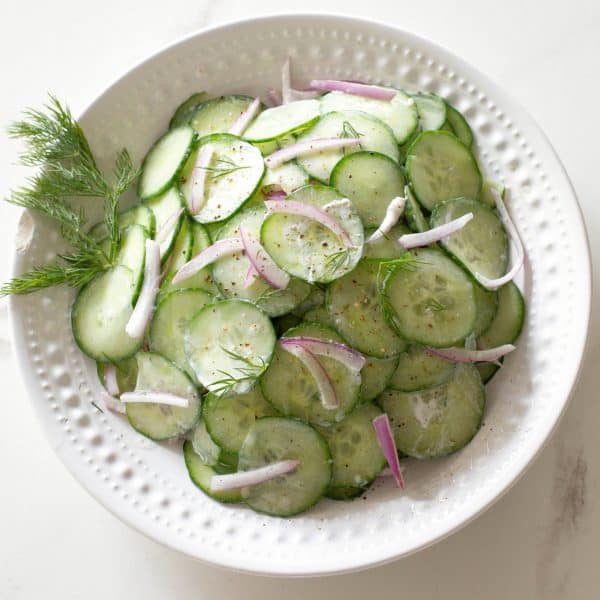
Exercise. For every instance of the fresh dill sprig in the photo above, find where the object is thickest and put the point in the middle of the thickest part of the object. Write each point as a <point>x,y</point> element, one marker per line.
<point>336,261</point>
<point>348,131</point>
<point>435,305</point>
<point>250,373</point>
<point>97,407</point>
<point>385,270</point>
<point>223,166</point>
<point>56,144</point>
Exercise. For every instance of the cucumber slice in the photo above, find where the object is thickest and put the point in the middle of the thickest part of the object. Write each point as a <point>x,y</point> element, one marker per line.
<point>280,121</point>
<point>170,322</point>
<point>291,389</point>
<point>132,254</point>
<point>419,370</point>
<point>431,110</point>
<point>375,136</point>
<point>403,149</point>
<point>165,160</point>
<point>186,110</point>
<point>508,321</point>
<point>229,345</point>
<point>159,421</point>
<point>201,475</point>
<point>210,453</point>
<point>136,215</point>
<point>440,167</point>
<point>229,272</point>
<point>486,195</point>
<point>481,246</point>
<point>487,306</point>
<point>399,113</point>
<point>228,420</point>
<point>315,298</point>
<point>182,252</point>
<point>487,370</point>
<point>375,376</point>
<point>163,207</point>
<point>413,214</point>
<point>430,301</point>
<point>234,174</point>
<point>307,249</point>
<point>267,148</point>
<point>459,125</point>
<point>285,322</point>
<point>320,315</point>
<point>440,420</point>
<point>353,303</point>
<point>371,180</point>
<point>287,177</point>
<point>386,247</point>
<point>217,115</point>
<point>357,456</point>
<point>272,439</point>
<point>101,311</point>
<point>126,374</point>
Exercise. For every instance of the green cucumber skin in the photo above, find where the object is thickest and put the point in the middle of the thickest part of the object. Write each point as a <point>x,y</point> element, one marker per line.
<point>459,125</point>
<point>184,112</point>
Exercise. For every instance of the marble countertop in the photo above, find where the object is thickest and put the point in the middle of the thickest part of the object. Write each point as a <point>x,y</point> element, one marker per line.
<point>539,541</point>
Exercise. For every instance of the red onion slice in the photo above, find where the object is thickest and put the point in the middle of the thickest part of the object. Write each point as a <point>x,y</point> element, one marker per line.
<point>349,357</point>
<point>309,147</point>
<point>240,124</point>
<point>350,87</point>
<point>234,481</point>
<point>251,275</point>
<point>199,179</point>
<point>262,263</point>
<point>300,209</point>
<point>111,403</point>
<point>167,227</point>
<point>273,98</point>
<point>414,240</point>
<point>144,307</point>
<point>463,355</point>
<point>386,441</point>
<point>392,214</point>
<point>206,257</point>
<point>327,393</point>
<point>276,195</point>
<point>515,238</point>
<point>110,379</point>
<point>149,396</point>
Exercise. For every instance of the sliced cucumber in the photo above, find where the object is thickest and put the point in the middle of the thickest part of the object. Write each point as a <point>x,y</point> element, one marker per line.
<point>165,160</point>
<point>487,306</point>
<point>228,420</point>
<point>459,125</point>
<point>230,272</point>
<point>272,439</point>
<point>353,302</point>
<point>170,322</point>
<point>233,176</point>
<point>440,420</point>
<point>440,167</point>
<point>430,300</point>
<point>136,215</point>
<point>201,475</point>
<point>132,254</point>
<point>481,246</point>
<point>280,121</point>
<point>315,298</point>
<point>399,113</point>
<point>386,247</point>
<point>285,322</point>
<point>431,110</point>
<point>126,374</point>
<point>307,249</point>
<point>371,180</point>
<point>419,370</point>
<point>357,456</point>
<point>508,321</point>
<point>287,177</point>
<point>186,110</point>
<point>217,115</point>
<point>159,421</point>
<point>99,315</point>
<point>163,207</point>
<point>209,452</point>
<point>182,252</point>
<point>375,136</point>
<point>415,219</point>
<point>267,148</point>
<point>375,376</point>
<point>319,314</point>
<point>229,345</point>
<point>487,370</point>
<point>292,390</point>
<point>486,192</point>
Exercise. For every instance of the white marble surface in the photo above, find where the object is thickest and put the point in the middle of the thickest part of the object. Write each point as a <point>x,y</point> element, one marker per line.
<point>538,542</point>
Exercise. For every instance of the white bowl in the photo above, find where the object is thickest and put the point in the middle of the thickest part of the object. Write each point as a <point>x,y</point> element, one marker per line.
<point>146,484</point>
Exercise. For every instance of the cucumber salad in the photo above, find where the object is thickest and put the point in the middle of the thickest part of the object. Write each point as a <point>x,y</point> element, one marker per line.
<point>308,290</point>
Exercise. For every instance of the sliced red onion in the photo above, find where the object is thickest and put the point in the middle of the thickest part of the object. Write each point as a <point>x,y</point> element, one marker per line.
<point>513,234</point>
<point>286,81</point>
<point>199,179</point>
<point>273,98</point>
<point>240,124</point>
<point>241,479</point>
<point>309,147</point>
<point>251,275</point>
<point>414,240</point>
<point>110,379</point>
<point>462,355</point>
<point>144,307</point>
<point>350,87</point>
<point>167,227</point>
<point>111,403</point>
<point>262,263</point>
<point>149,396</point>
<point>385,437</point>
<point>349,357</point>
<point>327,393</point>
<point>206,257</point>
<point>292,207</point>
<point>392,214</point>
<point>275,195</point>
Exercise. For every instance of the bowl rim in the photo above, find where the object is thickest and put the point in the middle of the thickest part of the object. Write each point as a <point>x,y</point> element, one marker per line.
<point>19,347</point>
